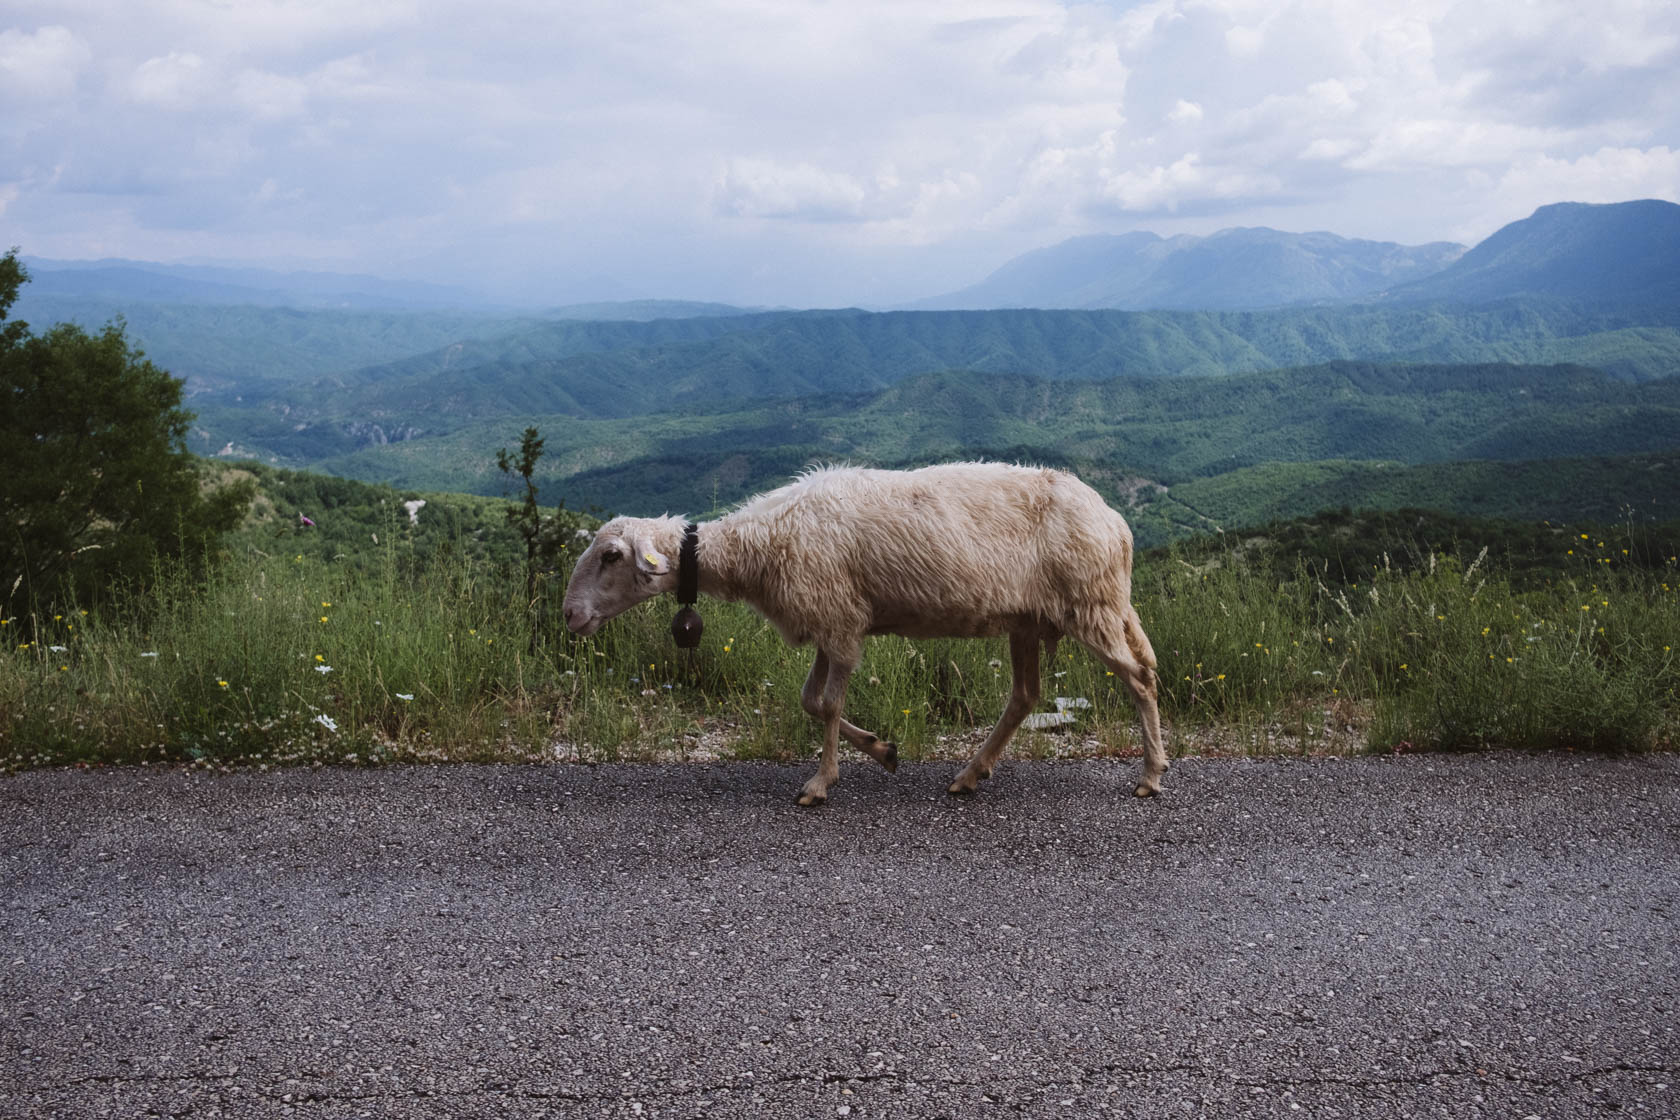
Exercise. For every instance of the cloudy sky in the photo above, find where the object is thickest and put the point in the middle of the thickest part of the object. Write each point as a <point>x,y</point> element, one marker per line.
<point>801,152</point>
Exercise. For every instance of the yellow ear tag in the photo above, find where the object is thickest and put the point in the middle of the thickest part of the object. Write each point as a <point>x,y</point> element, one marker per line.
<point>652,560</point>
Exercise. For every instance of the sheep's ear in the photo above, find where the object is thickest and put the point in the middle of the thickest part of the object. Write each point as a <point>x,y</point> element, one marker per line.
<point>650,559</point>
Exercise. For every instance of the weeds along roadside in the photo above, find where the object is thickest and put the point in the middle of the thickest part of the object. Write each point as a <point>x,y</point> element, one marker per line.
<point>283,660</point>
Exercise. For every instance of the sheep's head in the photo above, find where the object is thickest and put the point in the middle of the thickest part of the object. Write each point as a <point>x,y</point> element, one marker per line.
<point>631,559</point>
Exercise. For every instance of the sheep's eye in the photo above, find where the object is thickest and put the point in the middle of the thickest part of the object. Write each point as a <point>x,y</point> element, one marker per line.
<point>610,556</point>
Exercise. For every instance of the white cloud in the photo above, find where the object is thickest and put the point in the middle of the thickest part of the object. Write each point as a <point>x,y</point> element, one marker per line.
<point>1607,175</point>
<point>1185,112</point>
<point>706,143</point>
<point>174,81</point>
<point>270,97</point>
<point>762,188</point>
<point>41,65</point>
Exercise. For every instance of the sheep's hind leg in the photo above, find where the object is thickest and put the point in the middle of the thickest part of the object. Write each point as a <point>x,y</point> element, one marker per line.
<point>824,696</point>
<point>866,741</point>
<point>1132,659</point>
<point>1023,695</point>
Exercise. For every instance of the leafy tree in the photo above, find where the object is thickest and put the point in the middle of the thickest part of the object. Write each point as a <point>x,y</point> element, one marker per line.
<point>96,485</point>
<point>527,516</point>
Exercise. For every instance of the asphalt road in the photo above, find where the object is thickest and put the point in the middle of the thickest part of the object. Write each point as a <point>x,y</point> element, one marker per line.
<point>1420,936</point>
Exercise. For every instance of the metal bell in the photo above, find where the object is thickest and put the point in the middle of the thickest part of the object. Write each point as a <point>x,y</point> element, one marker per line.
<point>686,628</point>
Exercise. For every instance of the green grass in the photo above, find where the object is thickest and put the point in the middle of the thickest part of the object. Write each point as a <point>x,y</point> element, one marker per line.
<point>279,660</point>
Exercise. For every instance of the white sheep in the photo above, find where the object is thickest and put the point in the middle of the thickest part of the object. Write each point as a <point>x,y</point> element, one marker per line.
<point>959,550</point>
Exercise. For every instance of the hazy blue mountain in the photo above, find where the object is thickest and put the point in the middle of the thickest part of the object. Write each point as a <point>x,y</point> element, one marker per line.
<point>648,310</point>
<point>1234,269</point>
<point>127,282</point>
<point>1621,253</point>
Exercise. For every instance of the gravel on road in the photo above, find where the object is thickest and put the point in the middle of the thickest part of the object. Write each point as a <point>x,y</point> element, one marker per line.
<point>1456,936</point>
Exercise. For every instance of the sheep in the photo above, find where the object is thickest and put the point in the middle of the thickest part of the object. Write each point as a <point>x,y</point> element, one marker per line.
<point>957,550</point>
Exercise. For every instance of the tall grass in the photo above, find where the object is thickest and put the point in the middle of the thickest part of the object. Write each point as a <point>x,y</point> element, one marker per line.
<point>283,660</point>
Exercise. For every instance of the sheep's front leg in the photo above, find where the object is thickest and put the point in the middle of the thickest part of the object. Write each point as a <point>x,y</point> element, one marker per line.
<point>1124,648</point>
<point>866,741</point>
<point>824,696</point>
<point>1023,696</point>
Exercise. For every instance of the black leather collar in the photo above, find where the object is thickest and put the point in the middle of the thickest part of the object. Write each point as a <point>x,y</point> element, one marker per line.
<point>688,565</point>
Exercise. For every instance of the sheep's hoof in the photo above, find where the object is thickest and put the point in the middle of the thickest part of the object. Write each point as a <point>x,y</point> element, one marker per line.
<point>809,800</point>
<point>890,759</point>
<point>959,788</point>
<point>1144,789</point>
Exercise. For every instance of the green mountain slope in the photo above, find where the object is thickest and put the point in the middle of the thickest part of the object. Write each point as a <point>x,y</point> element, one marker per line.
<point>1622,253</point>
<point>627,369</point>
<point>1605,489</point>
<point>236,348</point>
<point>1145,433</point>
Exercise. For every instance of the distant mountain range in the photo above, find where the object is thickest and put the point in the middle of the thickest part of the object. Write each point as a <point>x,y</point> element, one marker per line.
<point>1599,254</point>
<point>1572,251</point>
<point>1282,373</point>
<point>1625,253</point>
<point>1234,269</point>
<point>125,281</point>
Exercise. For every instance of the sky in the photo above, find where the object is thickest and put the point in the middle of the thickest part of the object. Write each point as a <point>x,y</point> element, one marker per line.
<point>797,152</point>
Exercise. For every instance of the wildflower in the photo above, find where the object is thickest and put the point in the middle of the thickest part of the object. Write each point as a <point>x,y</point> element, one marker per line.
<point>323,669</point>
<point>405,696</point>
<point>64,668</point>
<point>1403,666</point>
<point>326,721</point>
<point>305,522</point>
<point>56,649</point>
<point>906,711</point>
<point>318,657</point>
<point>1220,677</point>
<point>323,618</point>
<point>324,603</point>
<point>221,684</point>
